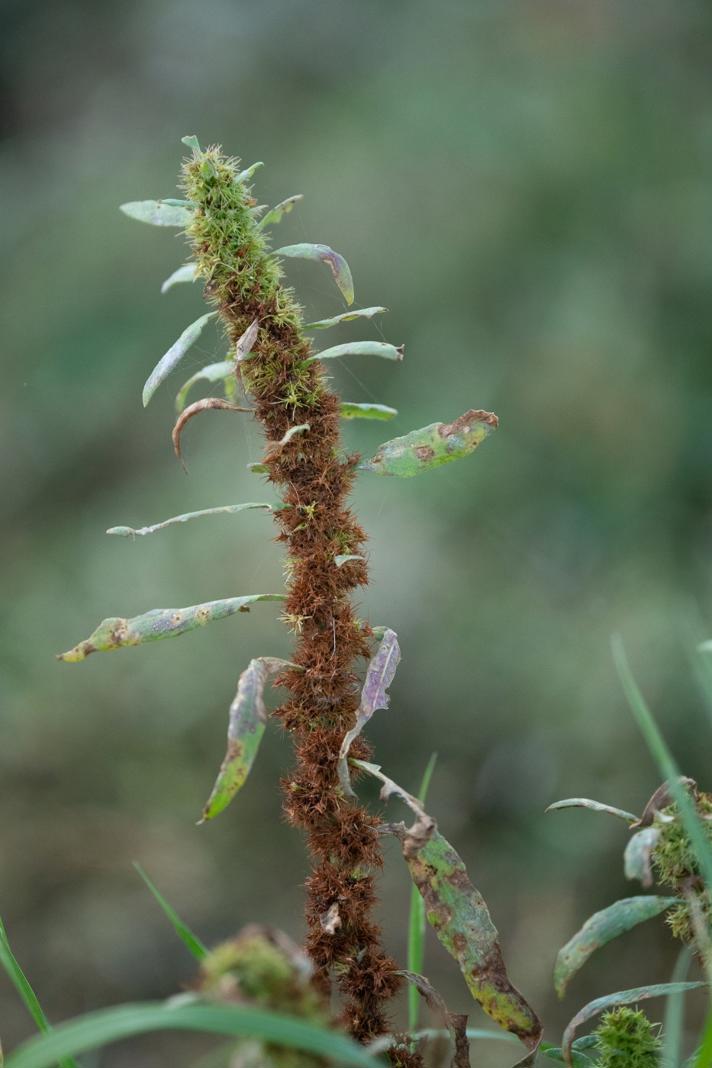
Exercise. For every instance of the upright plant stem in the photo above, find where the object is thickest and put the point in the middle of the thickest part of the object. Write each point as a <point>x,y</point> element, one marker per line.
<point>243,282</point>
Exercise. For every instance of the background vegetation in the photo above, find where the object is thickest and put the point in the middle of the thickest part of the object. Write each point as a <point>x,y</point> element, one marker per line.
<point>526,186</point>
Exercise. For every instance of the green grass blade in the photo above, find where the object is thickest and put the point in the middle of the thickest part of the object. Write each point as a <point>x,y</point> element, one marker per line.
<point>674,1014</point>
<point>664,759</point>
<point>97,1029</point>
<point>22,984</point>
<point>703,1057</point>
<point>416,918</point>
<point>189,940</point>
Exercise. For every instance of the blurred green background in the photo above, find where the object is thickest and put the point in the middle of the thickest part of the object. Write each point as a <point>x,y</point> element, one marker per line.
<point>527,187</point>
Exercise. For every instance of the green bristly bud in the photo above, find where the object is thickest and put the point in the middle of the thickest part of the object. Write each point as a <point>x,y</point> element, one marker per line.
<point>627,1039</point>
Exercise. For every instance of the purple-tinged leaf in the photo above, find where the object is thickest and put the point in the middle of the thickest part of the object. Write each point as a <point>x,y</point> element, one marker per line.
<point>602,928</point>
<point>637,859</point>
<point>345,317</point>
<point>622,997</point>
<point>593,806</point>
<point>277,213</point>
<point>248,719</point>
<point>158,212</point>
<point>159,623</point>
<point>334,261</point>
<point>186,273</point>
<point>379,676</point>
<point>170,360</point>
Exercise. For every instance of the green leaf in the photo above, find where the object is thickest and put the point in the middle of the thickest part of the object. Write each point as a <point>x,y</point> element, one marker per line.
<point>225,509</point>
<point>416,917</point>
<point>170,360</point>
<point>97,1029</point>
<point>334,261</point>
<point>192,142</point>
<point>186,273</point>
<point>622,997</point>
<point>249,172</point>
<point>458,914</point>
<point>671,1051</point>
<point>432,446</point>
<point>594,806</point>
<point>22,984</point>
<point>246,727</point>
<point>602,928</point>
<point>158,212</point>
<point>663,757</point>
<point>360,348</point>
<point>351,410</point>
<point>379,676</point>
<point>190,940</point>
<point>345,317</point>
<point>277,213</point>
<point>637,856</point>
<point>159,623</point>
<point>257,468</point>
<point>214,372</point>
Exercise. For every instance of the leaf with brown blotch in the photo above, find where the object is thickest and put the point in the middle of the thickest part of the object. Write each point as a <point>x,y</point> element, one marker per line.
<point>336,263</point>
<point>594,806</point>
<point>248,719</point>
<point>637,858</point>
<point>602,927</point>
<point>204,405</point>
<point>622,997</point>
<point>458,914</point>
<point>379,676</point>
<point>159,623</point>
<point>432,446</point>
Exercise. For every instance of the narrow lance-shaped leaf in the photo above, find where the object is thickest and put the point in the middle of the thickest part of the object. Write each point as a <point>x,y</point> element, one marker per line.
<point>170,360</point>
<point>291,433</point>
<point>249,172</point>
<point>248,719</point>
<point>159,623</point>
<point>637,858</point>
<point>346,558</point>
<point>345,317</point>
<point>205,405</point>
<point>334,261</point>
<point>158,212</point>
<point>351,410</point>
<point>214,372</point>
<point>433,446</point>
<point>379,676</point>
<point>622,997</point>
<point>416,916</point>
<point>224,509</point>
<point>593,806</point>
<point>602,928</point>
<point>277,213</point>
<point>190,940</point>
<point>460,918</point>
<point>360,348</point>
<point>186,273</point>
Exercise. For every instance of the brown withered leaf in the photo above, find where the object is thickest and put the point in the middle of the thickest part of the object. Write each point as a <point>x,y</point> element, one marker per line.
<point>203,405</point>
<point>660,799</point>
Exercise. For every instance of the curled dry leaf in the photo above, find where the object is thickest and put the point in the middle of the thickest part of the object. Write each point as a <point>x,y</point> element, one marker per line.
<point>246,726</point>
<point>379,676</point>
<point>334,261</point>
<point>330,921</point>
<point>246,342</point>
<point>432,446</point>
<point>602,928</point>
<point>622,997</point>
<point>594,806</point>
<point>170,359</point>
<point>345,317</point>
<point>456,1024</point>
<point>159,623</point>
<point>661,799</point>
<point>360,348</point>
<point>204,405</point>
<point>224,509</point>
<point>637,858</point>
